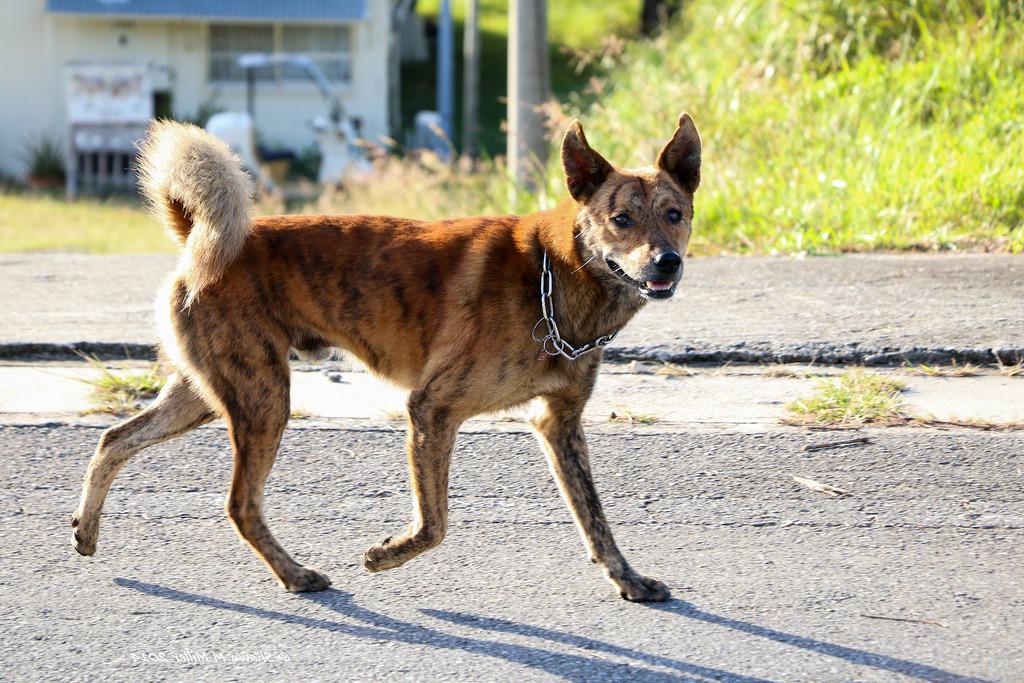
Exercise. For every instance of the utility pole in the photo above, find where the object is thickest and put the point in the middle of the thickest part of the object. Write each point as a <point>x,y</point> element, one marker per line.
<point>400,14</point>
<point>470,77</point>
<point>528,87</point>
<point>446,71</point>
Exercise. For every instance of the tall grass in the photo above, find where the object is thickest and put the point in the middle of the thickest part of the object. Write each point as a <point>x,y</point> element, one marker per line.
<point>832,125</point>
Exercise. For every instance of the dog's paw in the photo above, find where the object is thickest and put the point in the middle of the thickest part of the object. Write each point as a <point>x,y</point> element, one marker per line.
<point>381,557</point>
<point>395,551</point>
<point>306,580</point>
<point>84,536</point>
<point>638,588</point>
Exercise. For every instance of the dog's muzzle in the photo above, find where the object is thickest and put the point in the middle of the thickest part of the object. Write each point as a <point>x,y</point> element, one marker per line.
<point>660,287</point>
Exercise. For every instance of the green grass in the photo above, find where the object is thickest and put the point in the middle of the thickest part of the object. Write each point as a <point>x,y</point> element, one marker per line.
<point>628,416</point>
<point>852,398</point>
<point>834,126</point>
<point>123,393</point>
<point>34,222</point>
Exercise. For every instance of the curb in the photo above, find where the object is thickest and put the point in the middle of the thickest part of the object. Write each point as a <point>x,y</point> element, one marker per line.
<point>75,350</point>
<point>762,353</point>
<point>816,353</point>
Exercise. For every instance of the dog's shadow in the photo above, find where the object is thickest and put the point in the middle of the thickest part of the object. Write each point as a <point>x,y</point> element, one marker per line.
<point>365,623</point>
<point>905,667</point>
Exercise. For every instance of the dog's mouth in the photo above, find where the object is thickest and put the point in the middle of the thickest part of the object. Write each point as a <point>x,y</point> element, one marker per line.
<point>652,289</point>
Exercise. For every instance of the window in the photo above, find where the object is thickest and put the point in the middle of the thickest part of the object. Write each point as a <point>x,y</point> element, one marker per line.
<point>227,43</point>
<point>327,46</point>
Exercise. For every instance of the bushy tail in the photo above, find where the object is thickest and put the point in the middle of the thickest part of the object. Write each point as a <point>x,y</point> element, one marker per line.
<point>196,186</point>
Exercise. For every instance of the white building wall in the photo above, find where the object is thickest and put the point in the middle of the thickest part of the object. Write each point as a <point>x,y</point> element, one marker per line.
<point>34,47</point>
<point>25,107</point>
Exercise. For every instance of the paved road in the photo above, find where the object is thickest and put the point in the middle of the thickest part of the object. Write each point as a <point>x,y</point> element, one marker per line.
<point>772,580</point>
<point>870,308</point>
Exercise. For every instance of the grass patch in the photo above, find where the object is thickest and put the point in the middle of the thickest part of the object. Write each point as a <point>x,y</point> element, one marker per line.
<point>855,397</point>
<point>119,393</point>
<point>1011,369</point>
<point>954,369</point>
<point>423,187</point>
<point>36,222</point>
<point>788,372</point>
<point>674,370</point>
<point>630,417</point>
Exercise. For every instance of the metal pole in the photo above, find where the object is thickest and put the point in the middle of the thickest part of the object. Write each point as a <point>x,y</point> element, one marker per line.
<point>250,92</point>
<point>446,70</point>
<point>470,77</point>
<point>402,10</point>
<point>527,89</point>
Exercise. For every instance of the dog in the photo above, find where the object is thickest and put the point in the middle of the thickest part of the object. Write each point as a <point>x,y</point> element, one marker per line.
<point>471,315</point>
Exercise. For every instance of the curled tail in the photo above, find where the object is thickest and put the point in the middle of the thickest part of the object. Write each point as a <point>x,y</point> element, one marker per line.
<point>196,186</point>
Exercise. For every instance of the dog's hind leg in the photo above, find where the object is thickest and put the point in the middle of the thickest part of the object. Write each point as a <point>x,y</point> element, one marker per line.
<point>256,404</point>
<point>560,431</point>
<point>176,410</point>
<point>431,438</point>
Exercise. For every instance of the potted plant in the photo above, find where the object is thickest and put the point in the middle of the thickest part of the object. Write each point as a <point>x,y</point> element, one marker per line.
<point>44,157</point>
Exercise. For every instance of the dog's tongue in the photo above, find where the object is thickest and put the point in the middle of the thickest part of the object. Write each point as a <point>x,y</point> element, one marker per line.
<point>658,286</point>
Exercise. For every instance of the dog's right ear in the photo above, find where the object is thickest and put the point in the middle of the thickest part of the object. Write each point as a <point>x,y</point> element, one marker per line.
<point>585,169</point>
<point>681,156</point>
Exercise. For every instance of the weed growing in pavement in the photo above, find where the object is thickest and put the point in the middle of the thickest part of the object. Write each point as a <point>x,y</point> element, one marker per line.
<point>630,417</point>
<point>853,398</point>
<point>123,393</point>
<point>954,369</point>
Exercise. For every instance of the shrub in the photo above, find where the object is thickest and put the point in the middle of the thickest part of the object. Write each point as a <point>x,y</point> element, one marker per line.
<point>44,158</point>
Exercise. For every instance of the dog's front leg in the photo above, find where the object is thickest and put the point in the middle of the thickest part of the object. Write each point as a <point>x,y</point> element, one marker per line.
<point>560,431</point>
<point>431,438</point>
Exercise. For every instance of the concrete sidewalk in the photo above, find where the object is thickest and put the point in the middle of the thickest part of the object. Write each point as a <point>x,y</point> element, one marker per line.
<point>874,309</point>
<point>633,397</point>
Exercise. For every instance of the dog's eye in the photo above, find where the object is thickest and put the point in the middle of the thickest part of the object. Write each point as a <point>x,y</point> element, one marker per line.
<point>622,220</point>
<point>674,216</point>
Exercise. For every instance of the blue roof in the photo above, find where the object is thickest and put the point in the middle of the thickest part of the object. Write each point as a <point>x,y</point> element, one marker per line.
<point>267,10</point>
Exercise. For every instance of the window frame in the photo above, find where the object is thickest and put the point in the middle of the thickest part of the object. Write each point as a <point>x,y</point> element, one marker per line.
<point>277,79</point>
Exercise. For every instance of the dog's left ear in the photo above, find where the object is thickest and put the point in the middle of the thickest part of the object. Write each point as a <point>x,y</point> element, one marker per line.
<point>681,156</point>
<point>585,169</point>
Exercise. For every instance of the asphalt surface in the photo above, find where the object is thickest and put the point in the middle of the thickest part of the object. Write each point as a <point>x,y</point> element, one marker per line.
<point>772,581</point>
<point>872,309</point>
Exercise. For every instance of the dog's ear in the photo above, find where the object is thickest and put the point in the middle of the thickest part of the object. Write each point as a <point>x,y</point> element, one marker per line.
<point>585,169</point>
<point>681,156</point>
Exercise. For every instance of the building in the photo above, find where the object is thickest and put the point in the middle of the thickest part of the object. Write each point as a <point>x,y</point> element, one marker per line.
<point>190,47</point>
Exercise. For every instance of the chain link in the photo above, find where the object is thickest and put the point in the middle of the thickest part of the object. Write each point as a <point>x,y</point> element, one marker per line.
<point>552,343</point>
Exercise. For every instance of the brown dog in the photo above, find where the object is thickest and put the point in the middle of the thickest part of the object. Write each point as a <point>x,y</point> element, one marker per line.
<point>472,315</point>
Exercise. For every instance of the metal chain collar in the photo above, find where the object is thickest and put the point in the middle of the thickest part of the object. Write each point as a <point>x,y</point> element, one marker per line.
<point>552,344</point>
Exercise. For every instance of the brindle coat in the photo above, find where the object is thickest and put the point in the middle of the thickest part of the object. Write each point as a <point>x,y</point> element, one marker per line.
<point>443,308</point>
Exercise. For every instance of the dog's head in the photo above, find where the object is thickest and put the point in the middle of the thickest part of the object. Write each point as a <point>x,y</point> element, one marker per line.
<point>635,224</point>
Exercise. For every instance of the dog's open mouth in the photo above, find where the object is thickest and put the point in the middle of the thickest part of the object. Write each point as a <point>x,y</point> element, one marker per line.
<point>652,289</point>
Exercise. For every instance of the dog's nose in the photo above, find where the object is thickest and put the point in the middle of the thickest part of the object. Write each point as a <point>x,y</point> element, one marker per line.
<point>668,262</point>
